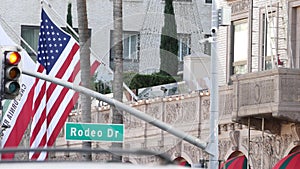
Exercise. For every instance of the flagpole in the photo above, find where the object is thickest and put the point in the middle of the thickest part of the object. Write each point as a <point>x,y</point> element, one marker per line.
<point>62,19</point>
<point>15,34</point>
<point>76,34</point>
<point>100,59</point>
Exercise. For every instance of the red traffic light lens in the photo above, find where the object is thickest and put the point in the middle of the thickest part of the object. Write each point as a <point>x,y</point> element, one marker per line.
<point>13,58</point>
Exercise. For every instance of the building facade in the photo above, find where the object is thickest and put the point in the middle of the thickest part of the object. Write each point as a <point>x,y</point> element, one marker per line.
<point>258,63</point>
<point>142,24</point>
<point>258,66</point>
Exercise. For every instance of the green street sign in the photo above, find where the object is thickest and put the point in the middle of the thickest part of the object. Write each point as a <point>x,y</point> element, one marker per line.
<point>94,132</point>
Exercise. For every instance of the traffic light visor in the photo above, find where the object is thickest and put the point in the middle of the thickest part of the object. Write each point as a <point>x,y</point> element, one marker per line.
<point>13,58</point>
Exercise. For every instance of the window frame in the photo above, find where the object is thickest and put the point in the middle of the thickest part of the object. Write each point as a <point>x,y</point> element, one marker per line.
<point>182,0</point>
<point>137,41</point>
<point>182,44</point>
<point>267,52</point>
<point>294,41</point>
<point>137,34</point>
<point>24,46</point>
<point>233,64</point>
<point>37,28</point>
<point>207,45</point>
<point>208,1</point>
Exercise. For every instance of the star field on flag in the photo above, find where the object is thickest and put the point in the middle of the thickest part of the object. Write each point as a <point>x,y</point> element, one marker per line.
<point>52,42</point>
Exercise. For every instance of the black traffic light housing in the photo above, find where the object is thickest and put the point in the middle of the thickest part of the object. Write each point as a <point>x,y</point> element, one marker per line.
<point>10,85</point>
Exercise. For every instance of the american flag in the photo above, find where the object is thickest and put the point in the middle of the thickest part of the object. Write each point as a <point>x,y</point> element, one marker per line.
<point>58,56</point>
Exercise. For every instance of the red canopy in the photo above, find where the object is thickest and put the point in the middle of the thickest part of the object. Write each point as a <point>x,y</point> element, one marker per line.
<point>185,163</point>
<point>239,162</point>
<point>291,161</point>
<point>182,162</point>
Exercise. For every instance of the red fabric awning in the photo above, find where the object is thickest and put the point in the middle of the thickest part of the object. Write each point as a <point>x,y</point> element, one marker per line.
<point>185,163</point>
<point>291,161</point>
<point>239,162</point>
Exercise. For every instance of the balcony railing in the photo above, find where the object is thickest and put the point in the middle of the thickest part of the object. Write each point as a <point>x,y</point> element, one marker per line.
<point>273,95</point>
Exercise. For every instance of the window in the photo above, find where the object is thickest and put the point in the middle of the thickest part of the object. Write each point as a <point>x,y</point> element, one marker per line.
<point>294,35</point>
<point>239,47</point>
<point>181,0</point>
<point>207,46</point>
<point>31,35</point>
<point>184,43</point>
<point>208,1</point>
<point>130,45</point>
<point>269,33</point>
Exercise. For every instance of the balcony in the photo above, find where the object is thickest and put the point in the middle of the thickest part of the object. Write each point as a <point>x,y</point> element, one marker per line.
<point>272,95</point>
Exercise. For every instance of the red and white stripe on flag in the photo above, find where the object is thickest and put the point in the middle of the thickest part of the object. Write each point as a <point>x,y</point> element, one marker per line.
<point>51,111</point>
<point>19,111</point>
<point>58,57</point>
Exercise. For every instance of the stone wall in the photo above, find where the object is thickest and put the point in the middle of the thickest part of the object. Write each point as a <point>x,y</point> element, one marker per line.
<point>190,113</point>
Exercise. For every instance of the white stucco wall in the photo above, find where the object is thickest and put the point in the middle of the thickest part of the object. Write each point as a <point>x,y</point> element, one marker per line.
<point>144,16</point>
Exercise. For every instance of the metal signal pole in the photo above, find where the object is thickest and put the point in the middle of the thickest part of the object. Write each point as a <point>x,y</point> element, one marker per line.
<point>143,116</point>
<point>214,93</point>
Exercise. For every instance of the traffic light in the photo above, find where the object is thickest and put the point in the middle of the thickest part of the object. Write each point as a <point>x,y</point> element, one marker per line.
<point>10,85</point>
